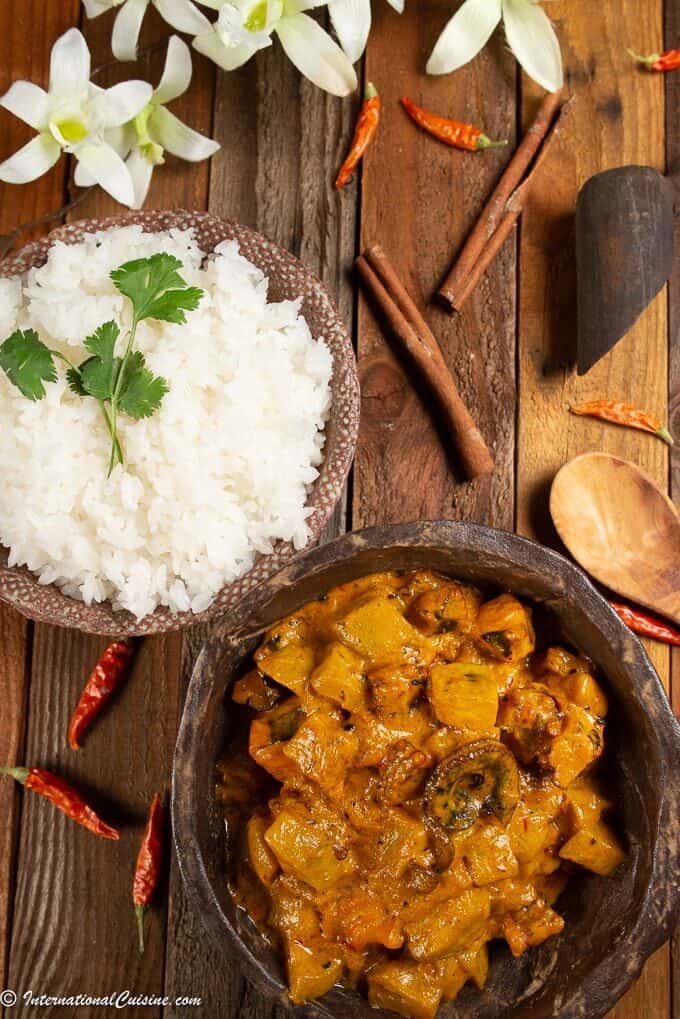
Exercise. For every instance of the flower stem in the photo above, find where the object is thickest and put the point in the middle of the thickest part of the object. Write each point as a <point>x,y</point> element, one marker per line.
<point>7,241</point>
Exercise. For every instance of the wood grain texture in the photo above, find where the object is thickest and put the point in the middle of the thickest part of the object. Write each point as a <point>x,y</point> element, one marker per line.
<point>672,88</point>
<point>282,143</point>
<point>192,963</point>
<point>622,529</point>
<point>80,887</point>
<point>277,179</point>
<point>624,254</point>
<point>41,23</point>
<point>620,120</point>
<point>14,650</point>
<point>73,924</point>
<point>419,200</point>
<point>19,204</point>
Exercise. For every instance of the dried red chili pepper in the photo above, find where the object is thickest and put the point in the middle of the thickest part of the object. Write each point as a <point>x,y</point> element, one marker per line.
<point>623,414</point>
<point>64,797</point>
<point>367,125</point>
<point>646,625</point>
<point>105,678</point>
<point>148,866</point>
<point>452,132</point>
<point>668,61</point>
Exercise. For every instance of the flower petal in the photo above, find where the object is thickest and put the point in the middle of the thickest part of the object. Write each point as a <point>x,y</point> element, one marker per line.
<point>93,8</point>
<point>120,103</point>
<point>106,167</point>
<point>182,15</point>
<point>463,37</point>
<point>69,64</point>
<point>123,139</point>
<point>176,76</point>
<point>532,39</point>
<point>178,138</point>
<point>291,7</point>
<point>226,57</point>
<point>316,55</point>
<point>352,23</point>
<point>28,102</point>
<point>31,161</point>
<point>141,171</point>
<point>126,29</point>
<point>82,178</point>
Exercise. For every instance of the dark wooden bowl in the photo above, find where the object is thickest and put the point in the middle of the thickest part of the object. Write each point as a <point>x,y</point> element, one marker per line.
<point>612,924</point>
<point>288,279</point>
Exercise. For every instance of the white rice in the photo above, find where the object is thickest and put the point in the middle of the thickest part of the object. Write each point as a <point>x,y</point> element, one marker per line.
<point>220,473</point>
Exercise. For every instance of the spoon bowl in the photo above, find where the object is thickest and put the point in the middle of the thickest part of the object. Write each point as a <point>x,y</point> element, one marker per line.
<point>621,528</point>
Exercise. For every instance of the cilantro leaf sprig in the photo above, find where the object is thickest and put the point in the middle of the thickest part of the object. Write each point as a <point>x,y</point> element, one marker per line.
<point>27,363</point>
<point>117,382</point>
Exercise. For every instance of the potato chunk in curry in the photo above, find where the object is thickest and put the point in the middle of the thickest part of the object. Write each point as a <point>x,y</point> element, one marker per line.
<point>426,787</point>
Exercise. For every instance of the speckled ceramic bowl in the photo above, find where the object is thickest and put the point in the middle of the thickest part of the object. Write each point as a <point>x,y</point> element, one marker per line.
<point>288,279</point>
<point>612,924</point>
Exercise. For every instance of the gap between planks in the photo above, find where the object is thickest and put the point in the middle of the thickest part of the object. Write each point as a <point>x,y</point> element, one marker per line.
<point>291,201</point>
<point>620,120</point>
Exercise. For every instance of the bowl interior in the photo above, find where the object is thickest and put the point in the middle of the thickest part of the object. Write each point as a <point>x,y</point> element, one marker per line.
<point>288,279</point>
<point>611,924</point>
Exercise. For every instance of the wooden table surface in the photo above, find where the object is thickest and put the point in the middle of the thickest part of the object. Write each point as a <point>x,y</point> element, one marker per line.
<point>65,919</point>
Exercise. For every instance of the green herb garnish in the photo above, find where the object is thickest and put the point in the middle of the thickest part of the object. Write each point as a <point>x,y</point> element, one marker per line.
<point>156,290</point>
<point>27,363</point>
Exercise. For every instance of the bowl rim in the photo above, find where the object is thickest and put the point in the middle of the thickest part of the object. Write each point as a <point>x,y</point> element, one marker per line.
<point>325,492</point>
<point>654,924</point>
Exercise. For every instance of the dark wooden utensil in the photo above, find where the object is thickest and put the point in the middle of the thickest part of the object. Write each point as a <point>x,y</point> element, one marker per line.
<point>624,254</point>
<point>620,526</point>
<point>613,924</point>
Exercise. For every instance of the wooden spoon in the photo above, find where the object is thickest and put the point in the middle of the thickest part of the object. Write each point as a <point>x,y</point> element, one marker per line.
<point>621,528</point>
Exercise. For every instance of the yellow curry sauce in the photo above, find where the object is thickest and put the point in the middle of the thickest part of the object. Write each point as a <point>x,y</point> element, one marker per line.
<point>430,788</point>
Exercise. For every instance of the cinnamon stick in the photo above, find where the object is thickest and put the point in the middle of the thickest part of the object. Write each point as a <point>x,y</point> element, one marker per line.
<point>456,287</point>
<point>410,330</point>
<point>512,211</point>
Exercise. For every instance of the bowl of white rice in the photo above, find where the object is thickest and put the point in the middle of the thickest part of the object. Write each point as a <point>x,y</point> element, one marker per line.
<point>238,470</point>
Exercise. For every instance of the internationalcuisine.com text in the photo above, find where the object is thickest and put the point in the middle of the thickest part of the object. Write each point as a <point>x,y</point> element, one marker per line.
<point>118,999</point>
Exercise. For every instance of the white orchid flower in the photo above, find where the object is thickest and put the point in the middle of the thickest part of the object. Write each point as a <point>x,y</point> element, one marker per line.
<point>155,129</point>
<point>245,26</point>
<point>74,116</point>
<point>181,14</point>
<point>352,23</point>
<point>528,30</point>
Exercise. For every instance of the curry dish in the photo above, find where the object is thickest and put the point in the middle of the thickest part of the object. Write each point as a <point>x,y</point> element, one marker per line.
<point>420,782</point>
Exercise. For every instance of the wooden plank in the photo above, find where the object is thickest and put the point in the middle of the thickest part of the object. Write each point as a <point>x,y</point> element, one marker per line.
<point>14,644</point>
<point>620,120</point>
<point>79,886</point>
<point>288,197</point>
<point>73,926</point>
<point>42,23</point>
<point>419,199</point>
<point>672,85</point>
